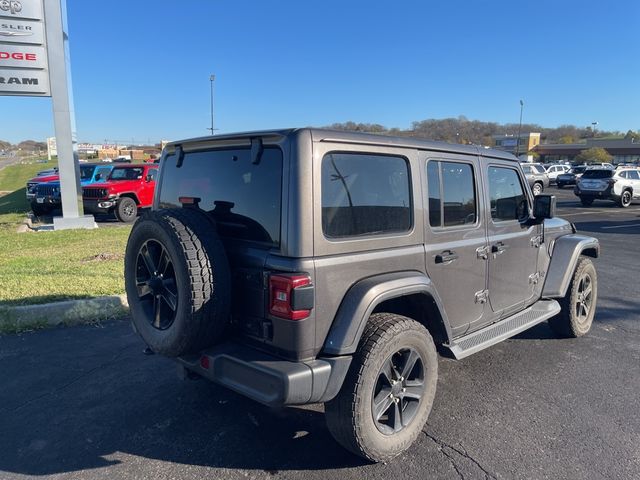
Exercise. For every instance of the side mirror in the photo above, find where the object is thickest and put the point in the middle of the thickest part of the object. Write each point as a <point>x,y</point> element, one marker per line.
<point>544,206</point>
<point>148,178</point>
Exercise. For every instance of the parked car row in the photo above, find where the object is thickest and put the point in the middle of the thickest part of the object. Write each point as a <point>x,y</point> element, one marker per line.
<point>536,177</point>
<point>115,189</point>
<point>621,185</point>
<point>604,181</point>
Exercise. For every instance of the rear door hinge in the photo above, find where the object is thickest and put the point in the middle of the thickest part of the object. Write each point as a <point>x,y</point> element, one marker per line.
<point>482,296</point>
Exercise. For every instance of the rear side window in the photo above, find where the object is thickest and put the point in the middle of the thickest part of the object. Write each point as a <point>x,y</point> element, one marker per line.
<point>452,194</point>
<point>244,198</point>
<point>365,194</point>
<point>633,175</point>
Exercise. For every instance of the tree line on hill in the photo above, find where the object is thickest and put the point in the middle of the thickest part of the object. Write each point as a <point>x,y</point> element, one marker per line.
<point>463,130</point>
<point>28,145</point>
<point>452,130</point>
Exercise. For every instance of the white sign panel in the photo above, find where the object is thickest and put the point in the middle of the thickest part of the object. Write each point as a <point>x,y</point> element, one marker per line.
<point>23,31</point>
<point>52,148</point>
<point>22,56</point>
<point>21,9</point>
<point>14,81</point>
<point>23,51</point>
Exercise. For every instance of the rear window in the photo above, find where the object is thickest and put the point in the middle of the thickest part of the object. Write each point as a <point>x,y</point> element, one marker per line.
<point>365,194</point>
<point>243,198</point>
<point>598,174</point>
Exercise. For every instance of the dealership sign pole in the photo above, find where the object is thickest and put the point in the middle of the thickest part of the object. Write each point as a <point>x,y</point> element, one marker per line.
<point>34,61</point>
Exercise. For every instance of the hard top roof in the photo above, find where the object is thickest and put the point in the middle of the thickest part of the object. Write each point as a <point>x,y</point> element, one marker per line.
<point>328,135</point>
<point>133,165</point>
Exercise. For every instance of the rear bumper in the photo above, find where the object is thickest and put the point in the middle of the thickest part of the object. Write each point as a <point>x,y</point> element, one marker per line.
<point>604,194</point>
<point>565,182</point>
<point>268,379</point>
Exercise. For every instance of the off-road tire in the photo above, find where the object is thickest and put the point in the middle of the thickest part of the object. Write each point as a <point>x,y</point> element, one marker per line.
<point>202,280</point>
<point>625,199</point>
<point>569,323</point>
<point>350,414</point>
<point>537,188</point>
<point>126,210</point>
<point>586,202</point>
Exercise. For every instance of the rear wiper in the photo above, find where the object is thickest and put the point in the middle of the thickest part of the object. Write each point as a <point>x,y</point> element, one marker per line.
<point>180,156</point>
<point>256,150</point>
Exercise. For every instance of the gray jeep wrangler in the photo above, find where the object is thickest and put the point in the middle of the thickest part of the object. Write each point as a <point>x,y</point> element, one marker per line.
<point>305,266</point>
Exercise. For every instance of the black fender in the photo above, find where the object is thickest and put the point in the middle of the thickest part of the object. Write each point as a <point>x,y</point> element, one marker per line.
<point>564,258</point>
<point>364,296</point>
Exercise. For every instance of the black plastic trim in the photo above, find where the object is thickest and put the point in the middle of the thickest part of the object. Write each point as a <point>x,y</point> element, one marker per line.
<point>268,379</point>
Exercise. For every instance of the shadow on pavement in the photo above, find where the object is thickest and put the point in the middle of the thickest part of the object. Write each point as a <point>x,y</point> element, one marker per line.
<point>625,227</point>
<point>81,406</point>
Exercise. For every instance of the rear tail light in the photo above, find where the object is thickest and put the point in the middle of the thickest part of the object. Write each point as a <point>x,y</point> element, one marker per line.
<point>290,296</point>
<point>611,181</point>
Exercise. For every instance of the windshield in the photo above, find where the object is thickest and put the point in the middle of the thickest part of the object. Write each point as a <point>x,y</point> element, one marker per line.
<point>578,170</point>
<point>86,172</point>
<point>126,173</point>
<point>599,173</point>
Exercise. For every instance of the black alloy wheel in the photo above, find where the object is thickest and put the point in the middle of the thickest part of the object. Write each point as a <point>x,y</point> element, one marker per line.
<point>398,391</point>
<point>625,199</point>
<point>156,284</point>
<point>584,298</point>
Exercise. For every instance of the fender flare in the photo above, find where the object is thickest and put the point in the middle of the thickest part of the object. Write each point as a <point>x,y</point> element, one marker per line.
<point>564,258</point>
<point>131,195</point>
<point>364,296</point>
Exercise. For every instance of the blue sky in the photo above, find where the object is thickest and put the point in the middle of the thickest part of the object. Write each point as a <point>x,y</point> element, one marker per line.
<point>141,68</point>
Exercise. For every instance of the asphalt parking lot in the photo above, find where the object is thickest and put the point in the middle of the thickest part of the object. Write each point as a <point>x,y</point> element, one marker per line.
<point>85,403</point>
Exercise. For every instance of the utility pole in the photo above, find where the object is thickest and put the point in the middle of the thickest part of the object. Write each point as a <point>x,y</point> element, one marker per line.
<point>519,129</point>
<point>212,79</point>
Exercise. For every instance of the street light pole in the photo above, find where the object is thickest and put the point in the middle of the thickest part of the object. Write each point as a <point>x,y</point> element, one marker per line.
<point>519,129</point>
<point>212,79</point>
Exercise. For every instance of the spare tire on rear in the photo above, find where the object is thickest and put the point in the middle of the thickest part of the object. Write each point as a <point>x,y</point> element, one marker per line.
<point>177,281</point>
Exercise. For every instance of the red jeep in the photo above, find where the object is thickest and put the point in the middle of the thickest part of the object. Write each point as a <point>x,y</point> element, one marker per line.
<point>128,188</point>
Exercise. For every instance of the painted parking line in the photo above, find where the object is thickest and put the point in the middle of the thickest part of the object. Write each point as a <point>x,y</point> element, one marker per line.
<point>592,212</point>
<point>622,226</point>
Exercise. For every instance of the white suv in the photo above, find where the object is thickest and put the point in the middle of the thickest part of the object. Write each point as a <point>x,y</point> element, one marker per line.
<point>554,170</point>
<point>621,186</point>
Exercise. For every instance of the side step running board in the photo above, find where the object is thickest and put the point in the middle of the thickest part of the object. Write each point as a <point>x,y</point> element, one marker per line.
<point>506,328</point>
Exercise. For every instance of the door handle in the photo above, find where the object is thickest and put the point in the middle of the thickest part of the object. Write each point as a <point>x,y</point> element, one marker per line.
<point>447,256</point>
<point>498,248</point>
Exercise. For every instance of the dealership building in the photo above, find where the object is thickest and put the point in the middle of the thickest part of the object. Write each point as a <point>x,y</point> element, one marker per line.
<point>622,150</point>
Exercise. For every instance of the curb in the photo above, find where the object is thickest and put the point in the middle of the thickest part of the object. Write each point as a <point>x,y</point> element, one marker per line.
<point>88,311</point>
